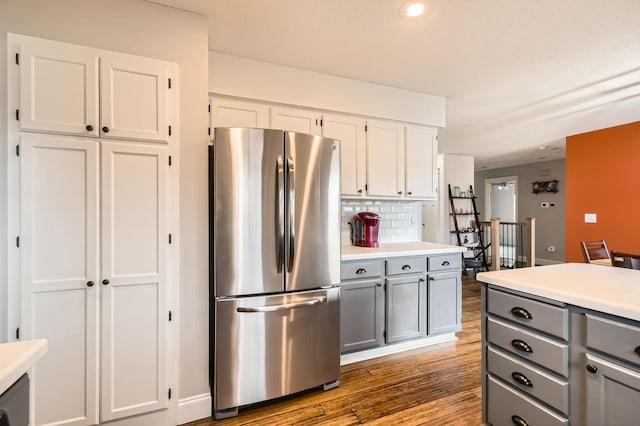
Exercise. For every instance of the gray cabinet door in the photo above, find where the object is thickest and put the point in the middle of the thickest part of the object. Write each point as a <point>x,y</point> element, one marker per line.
<point>613,392</point>
<point>445,302</point>
<point>406,307</point>
<point>361,315</point>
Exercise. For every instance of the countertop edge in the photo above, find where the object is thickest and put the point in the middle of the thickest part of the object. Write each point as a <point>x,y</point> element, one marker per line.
<point>379,253</point>
<point>17,358</point>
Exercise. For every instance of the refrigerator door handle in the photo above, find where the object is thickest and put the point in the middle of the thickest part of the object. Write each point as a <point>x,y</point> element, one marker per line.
<point>280,213</point>
<point>283,307</point>
<point>292,212</point>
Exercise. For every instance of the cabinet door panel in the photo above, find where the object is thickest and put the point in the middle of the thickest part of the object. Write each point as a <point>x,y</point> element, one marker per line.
<point>445,302</point>
<point>406,308</point>
<point>134,95</point>
<point>59,246</point>
<point>295,120</point>
<point>385,159</point>
<point>235,113</point>
<point>420,154</point>
<point>58,89</point>
<point>361,315</point>
<point>350,132</point>
<point>133,327</point>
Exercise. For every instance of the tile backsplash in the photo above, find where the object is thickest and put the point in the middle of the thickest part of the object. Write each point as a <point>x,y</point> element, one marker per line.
<point>401,220</point>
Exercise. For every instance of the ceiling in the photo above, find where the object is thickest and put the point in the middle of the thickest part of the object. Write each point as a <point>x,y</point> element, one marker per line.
<point>518,75</point>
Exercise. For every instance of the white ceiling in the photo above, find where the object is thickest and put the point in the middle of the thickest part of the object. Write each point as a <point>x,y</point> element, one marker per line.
<point>517,74</point>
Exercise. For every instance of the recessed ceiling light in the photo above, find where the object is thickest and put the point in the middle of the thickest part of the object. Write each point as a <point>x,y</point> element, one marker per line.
<point>413,9</point>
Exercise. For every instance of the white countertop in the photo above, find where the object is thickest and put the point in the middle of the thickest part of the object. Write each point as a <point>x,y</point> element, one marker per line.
<point>18,357</point>
<point>413,248</point>
<point>614,291</point>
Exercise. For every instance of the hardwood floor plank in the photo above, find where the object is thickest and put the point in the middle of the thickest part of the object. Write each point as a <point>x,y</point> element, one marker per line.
<point>435,385</point>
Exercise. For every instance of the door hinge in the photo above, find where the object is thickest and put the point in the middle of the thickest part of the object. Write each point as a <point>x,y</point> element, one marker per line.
<point>18,333</point>
<point>209,131</point>
<point>209,108</point>
<point>384,287</point>
<point>366,187</point>
<point>17,115</point>
<point>18,150</point>
<point>169,315</point>
<point>169,238</point>
<point>321,122</point>
<point>169,160</point>
<point>169,393</point>
<point>169,130</point>
<point>18,241</point>
<point>316,121</point>
<point>169,83</point>
<point>366,128</point>
<point>384,334</point>
<point>17,59</point>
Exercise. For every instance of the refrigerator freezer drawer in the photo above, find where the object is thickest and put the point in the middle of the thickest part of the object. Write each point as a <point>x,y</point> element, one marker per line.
<point>270,346</point>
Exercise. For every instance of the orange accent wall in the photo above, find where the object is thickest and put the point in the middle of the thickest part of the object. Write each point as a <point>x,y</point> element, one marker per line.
<point>603,177</point>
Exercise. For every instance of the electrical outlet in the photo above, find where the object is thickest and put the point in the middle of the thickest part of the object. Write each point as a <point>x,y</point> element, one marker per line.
<point>544,204</point>
<point>590,218</point>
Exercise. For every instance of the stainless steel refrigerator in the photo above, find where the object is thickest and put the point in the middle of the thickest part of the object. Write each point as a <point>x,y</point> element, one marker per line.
<point>275,265</point>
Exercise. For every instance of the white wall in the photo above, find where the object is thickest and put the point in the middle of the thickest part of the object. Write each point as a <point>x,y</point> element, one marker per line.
<point>248,78</point>
<point>146,29</point>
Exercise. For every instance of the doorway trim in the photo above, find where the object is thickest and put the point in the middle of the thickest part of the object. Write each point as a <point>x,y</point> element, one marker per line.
<point>488,195</point>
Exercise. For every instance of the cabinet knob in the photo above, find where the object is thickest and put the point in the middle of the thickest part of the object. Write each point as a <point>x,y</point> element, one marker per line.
<point>591,368</point>
<point>518,421</point>
<point>399,192</point>
<point>90,283</point>
<point>521,345</point>
<point>421,280</point>
<point>637,350</point>
<point>431,278</point>
<point>379,284</point>
<point>521,313</point>
<point>522,379</point>
<point>105,282</point>
<point>359,191</point>
<point>105,129</point>
<point>89,127</point>
<point>409,193</point>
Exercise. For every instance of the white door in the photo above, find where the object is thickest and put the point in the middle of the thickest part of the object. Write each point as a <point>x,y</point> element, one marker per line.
<point>385,159</point>
<point>133,99</point>
<point>59,89</point>
<point>295,120</point>
<point>133,280</point>
<point>235,113</point>
<point>59,274</point>
<point>350,132</point>
<point>420,162</point>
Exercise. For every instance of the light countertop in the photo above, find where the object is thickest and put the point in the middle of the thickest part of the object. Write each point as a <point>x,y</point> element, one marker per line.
<point>414,248</point>
<point>18,357</point>
<point>614,291</point>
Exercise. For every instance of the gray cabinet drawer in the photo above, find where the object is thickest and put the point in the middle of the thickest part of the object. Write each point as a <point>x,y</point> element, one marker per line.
<point>614,338</point>
<point>543,351</point>
<point>505,404</point>
<point>547,318</point>
<point>529,379</point>
<point>360,269</point>
<point>445,262</point>
<point>406,265</point>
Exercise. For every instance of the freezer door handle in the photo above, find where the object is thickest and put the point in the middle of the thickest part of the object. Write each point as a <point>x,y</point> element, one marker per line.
<point>292,212</point>
<point>283,307</point>
<point>279,213</point>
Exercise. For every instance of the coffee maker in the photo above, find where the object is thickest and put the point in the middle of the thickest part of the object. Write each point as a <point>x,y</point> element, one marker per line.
<point>364,229</point>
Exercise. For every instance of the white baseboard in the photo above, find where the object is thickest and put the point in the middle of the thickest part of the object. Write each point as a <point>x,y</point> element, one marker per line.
<point>395,348</point>
<point>194,408</point>
<point>543,262</point>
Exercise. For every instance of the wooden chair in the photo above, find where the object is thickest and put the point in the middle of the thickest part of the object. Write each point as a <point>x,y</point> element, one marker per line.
<point>625,260</point>
<point>593,250</point>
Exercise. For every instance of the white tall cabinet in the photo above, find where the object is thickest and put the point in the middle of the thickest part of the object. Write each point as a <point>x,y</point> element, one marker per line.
<point>95,136</point>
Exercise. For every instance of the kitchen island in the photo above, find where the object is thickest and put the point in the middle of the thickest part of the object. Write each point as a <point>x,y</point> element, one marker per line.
<point>398,296</point>
<point>560,345</point>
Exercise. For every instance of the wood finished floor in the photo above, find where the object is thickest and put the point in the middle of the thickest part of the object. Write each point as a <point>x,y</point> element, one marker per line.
<point>436,385</point>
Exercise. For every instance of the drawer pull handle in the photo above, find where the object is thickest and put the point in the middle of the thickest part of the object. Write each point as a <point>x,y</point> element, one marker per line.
<point>519,421</point>
<point>522,379</point>
<point>637,350</point>
<point>521,345</point>
<point>446,263</point>
<point>521,313</point>
<point>361,271</point>
<point>592,368</point>
<point>406,267</point>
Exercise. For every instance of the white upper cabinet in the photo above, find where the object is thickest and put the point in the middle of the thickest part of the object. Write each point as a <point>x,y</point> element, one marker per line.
<point>351,134</point>
<point>82,91</point>
<point>421,152</point>
<point>295,120</point>
<point>237,113</point>
<point>385,159</point>
<point>59,89</point>
<point>133,101</point>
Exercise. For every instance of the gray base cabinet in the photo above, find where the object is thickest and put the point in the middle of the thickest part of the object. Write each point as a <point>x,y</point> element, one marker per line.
<point>384,301</point>
<point>545,362</point>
